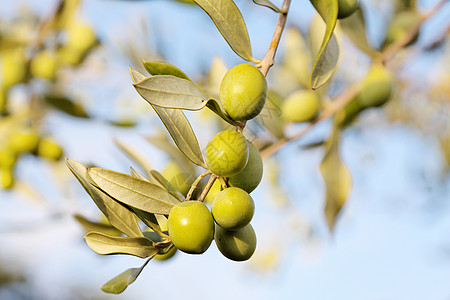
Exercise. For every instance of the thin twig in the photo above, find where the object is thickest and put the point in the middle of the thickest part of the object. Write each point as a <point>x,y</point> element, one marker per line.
<point>268,59</point>
<point>195,183</point>
<point>208,186</point>
<point>336,105</point>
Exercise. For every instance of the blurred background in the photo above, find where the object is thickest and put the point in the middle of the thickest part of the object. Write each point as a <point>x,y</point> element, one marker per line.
<point>66,92</point>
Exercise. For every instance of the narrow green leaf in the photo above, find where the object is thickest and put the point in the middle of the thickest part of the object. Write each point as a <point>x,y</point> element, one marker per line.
<point>134,192</point>
<point>149,219</point>
<point>268,4</point>
<point>162,68</point>
<point>119,283</point>
<point>228,19</point>
<point>178,127</point>
<point>171,92</point>
<point>328,55</point>
<point>105,244</point>
<point>68,106</point>
<point>166,184</point>
<point>96,226</point>
<point>119,216</point>
<point>216,107</point>
<point>355,28</point>
<point>336,176</point>
<point>138,175</point>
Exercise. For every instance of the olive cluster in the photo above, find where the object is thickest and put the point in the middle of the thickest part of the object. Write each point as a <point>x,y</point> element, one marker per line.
<point>237,163</point>
<point>24,142</point>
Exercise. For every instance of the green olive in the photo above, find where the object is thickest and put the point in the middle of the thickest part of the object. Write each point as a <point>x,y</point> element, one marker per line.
<point>400,25</point>
<point>179,180</point>
<point>243,92</point>
<point>232,208</point>
<point>13,68</point>
<point>191,227</point>
<point>8,157</point>
<point>227,153</point>
<point>80,36</point>
<point>24,141</point>
<point>347,8</point>
<point>167,255</point>
<point>49,149</point>
<point>301,106</point>
<point>6,177</point>
<point>377,87</point>
<point>44,65</point>
<point>236,245</point>
<point>250,177</point>
<point>213,191</point>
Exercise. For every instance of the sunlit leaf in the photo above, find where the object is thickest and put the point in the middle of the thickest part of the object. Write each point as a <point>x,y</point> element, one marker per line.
<point>355,28</point>
<point>178,127</point>
<point>119,283</point>
<point>268,4</point>
<point>328,55</point>
<point>119,216</point>
<point>228,19</point>
<point>336,176</point>
<point>105,244</point>
<point>97,226</point>
<point>171,92</point>
<point>134,192</point>
<point>216,107</point>
<point>162,68</point>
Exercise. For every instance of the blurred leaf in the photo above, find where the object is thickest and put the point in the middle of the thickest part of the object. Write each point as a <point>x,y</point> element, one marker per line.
<point>165,145</point>
<point>355,28</point>
<point>66,105</point>
<point>134,155</point>
<point>134,192</point>
<point>329,50</point>
<point>178,127</point>
<point>119,216</point>
<point>270,116</point>
<point>268,4</point>
<point>96,226</point>
<point>166,184</point>
<point>336,176</point>
<point>231,25</point>
<point>162,68</point>
<point>119,283</point>
<point>171,92</point>
<point>104,244</point>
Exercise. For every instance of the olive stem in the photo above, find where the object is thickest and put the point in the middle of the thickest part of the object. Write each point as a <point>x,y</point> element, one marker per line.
<point>195,183</point>
<point>268,59</point>
<point>223,182</point>
<point>393,48</point>
<point>208,186</point>
<point>335,106</point>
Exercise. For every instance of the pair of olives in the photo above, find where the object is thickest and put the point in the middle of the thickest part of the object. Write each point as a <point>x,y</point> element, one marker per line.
<point>192,227</point>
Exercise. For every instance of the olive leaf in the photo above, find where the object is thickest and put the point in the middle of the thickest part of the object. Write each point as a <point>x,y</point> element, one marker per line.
<point>106,244</point>
<point>169,91</point>
<point>162,68</point>
<point>216,107</point>
<point>119,283</point>
<point>336,176</point>
<point>270,116</point>
<point>268,4</point>
<point>96,226</point>
<point>178,127</point>
<point>228,19</point>
<point>66,105</point>
<point>354,27</point>
<point>119,216</point>
<point>328,55</point>
<point>132,191</point>
<point>138,175</point>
